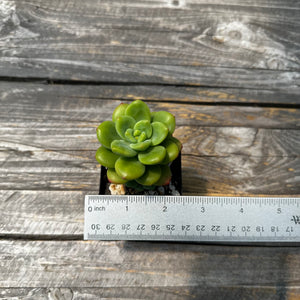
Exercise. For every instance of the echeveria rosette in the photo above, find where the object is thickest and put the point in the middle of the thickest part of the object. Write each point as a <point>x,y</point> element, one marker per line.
<point>137,145</point>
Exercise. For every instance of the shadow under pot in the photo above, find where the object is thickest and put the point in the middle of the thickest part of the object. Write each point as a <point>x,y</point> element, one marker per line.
<point>173,188</point>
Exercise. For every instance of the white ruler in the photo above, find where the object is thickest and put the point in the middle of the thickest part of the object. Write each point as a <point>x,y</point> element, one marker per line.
<point>192,218</point>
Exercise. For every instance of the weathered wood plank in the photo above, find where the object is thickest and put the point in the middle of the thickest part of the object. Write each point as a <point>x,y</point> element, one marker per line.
<point>14,91</point>
<point>231,174</point>
<point>52,38</point>
<point>68,141</point>
<point>47,213</point>
<point>201,175</point>
<point>21,109</point>
<point>49,179</point>
<point>146,265</point>
<point>251,142</point>
<point>167,293</point>
<point>241,175</point>
<point>215,160</point>
<point>108,72</point>
<point>49,143</point>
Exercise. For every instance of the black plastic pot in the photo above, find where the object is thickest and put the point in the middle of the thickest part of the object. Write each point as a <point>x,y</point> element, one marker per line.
<point>176,179</point>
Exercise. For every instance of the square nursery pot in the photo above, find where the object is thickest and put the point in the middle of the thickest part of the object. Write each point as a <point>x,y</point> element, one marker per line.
<point>176,180</point>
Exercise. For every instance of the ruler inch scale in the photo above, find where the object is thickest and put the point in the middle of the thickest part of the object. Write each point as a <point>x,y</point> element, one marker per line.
<point>192,218</point>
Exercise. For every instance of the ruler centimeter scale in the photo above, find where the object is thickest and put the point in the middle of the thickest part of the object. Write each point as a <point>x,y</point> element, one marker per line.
<point>192,218</point>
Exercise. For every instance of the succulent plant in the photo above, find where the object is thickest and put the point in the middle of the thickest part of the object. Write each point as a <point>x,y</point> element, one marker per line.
<point>137,145</point>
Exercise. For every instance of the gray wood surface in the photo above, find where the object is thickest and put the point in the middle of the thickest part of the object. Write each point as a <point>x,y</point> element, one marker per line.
<point>151,269</point>
<point>194,33</point>
<point>49,142</point>
<point>83,105</point>
<point>228,71</point>
<point>207,43</point>
<point>151,293</point>
<point>154,93</point>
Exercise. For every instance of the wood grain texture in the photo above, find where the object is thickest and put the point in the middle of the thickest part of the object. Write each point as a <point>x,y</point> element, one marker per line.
<point>243,141</point>
<point>226,160</point>
<point>174,42</point>
<point>46,213</point>
<point>155,32</point>
<point>81,264</point>
<point>40,104</point>
<point>234,174</point>
<point>12,91</point>
<point>48,141</point>
<point>27,142</point>
<point>186,115</point>
<point>241,175</point>
<point>157,293</point>
<point>108,72</point>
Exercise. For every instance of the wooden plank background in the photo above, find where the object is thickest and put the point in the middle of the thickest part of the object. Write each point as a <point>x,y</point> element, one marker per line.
<point>228,71</point>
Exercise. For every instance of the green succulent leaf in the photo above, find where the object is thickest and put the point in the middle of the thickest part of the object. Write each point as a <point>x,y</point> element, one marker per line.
<point>165,176</point>
<point>159,132</point>
<point>129,168</point>
<point>136,133</point>
<point>148,187</point>
<point>114,177</point>
<point>122,148</point>
<point>142,137</point>
<point>106,158</point>
<point>129,135</point>
<point>176,141</point>
<point>138,146</point>
<point>122,124</point>
<point>151,175</point>
<point>152,115</point>
<point>143,126</point>
<point>119,111</point>
<point>134,185</point>
<point>165,117</point>
<point>106,133</point>
<point>153,155</point>
<point>172,151</point>
<point>138,110</point>
<point>142,146</point>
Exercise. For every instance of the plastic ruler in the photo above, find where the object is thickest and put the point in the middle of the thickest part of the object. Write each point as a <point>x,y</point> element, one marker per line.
<point>192,218</point>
